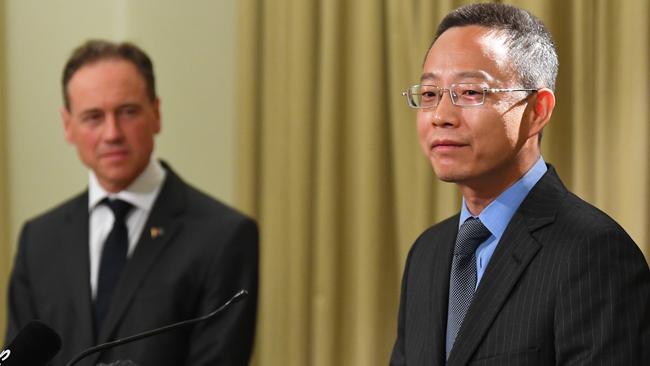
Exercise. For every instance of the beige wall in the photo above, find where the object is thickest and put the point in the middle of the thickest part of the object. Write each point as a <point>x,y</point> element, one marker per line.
<point>192,45</point>
<point>4,242</point>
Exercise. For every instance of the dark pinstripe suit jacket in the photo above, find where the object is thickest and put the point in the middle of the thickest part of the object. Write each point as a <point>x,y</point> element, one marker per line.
<point>565,286</point>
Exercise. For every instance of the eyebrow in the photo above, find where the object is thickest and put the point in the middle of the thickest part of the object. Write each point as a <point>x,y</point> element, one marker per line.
<point>129,105</point>
<point>93,110</point>
<point>89,111</point>
<point>476,74</point>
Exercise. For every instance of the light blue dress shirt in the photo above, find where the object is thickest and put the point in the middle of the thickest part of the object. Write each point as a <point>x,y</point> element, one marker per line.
<point>498,213</point>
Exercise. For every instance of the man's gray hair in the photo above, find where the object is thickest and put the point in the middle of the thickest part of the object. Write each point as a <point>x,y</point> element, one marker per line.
<point>531,48</point>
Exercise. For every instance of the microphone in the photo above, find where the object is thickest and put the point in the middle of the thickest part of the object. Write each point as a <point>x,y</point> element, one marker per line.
<point>35,345</point>
<point>238,296</point>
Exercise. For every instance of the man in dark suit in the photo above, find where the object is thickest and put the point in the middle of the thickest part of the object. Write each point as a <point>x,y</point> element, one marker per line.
<point>527,273</point>
<point>140,248</point>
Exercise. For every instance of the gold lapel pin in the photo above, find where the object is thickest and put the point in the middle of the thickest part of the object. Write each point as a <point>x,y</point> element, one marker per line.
<point>156,232</point>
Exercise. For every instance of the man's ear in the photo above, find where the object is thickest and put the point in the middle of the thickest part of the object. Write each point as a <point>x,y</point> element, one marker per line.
<point>67,120</point>
<point>541,108</point>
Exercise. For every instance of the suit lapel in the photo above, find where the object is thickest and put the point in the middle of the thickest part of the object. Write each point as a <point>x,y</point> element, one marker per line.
<point>439,293</point>
<point>513,254</point>
<point>76,265</point>
<point>160,228</point>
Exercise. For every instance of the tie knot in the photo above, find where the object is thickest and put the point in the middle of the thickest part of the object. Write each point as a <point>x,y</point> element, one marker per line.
<point>120,208</point>
<point>471,233</point>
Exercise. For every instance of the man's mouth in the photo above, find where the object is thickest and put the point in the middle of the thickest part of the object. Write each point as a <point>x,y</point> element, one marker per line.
<point>115,154</point>
<point>446,145</point>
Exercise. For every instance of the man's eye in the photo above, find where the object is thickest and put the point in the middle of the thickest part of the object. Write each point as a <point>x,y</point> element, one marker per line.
<point>129,112</point>
<point>471,93</point>
<point>430,93</point>
<point>92,117</point>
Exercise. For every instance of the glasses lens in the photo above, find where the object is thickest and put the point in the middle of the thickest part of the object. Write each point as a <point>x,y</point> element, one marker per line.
<point>468,94</point>
<point>412,96</point>
<point>424,96</point>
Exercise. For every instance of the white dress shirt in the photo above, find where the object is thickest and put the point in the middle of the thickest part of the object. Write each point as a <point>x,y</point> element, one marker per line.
<point>141,194</point>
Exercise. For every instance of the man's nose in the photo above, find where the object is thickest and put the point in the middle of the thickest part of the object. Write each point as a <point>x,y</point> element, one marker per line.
<point>112,128</point>
<point>445,114</point>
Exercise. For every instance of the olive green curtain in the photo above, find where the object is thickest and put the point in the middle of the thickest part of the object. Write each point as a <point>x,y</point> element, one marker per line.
<point>328,160</point>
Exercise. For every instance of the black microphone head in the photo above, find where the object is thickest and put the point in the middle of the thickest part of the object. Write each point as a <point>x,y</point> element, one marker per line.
<point>35,345</point>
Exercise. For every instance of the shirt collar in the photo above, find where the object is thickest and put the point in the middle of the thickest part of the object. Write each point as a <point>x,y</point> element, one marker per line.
<point>498,213</point>
<point>141,193</point>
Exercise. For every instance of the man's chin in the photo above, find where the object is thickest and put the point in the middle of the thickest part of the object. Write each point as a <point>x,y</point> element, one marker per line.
<point>447,179</point>
<point>448,176</point>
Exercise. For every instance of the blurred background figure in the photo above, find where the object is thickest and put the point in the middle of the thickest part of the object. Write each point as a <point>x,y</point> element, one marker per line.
<point>140,248</point>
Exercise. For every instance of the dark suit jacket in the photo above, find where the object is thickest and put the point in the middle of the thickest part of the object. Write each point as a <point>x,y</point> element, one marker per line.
<point>205,253</point>
<point>565,286</point>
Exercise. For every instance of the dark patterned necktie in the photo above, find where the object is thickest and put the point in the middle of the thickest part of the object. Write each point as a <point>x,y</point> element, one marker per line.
<point>462,281</point>
<point>113,259</point>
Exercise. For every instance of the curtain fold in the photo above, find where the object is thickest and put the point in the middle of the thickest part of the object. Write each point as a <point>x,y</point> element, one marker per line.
<point>329,162</point>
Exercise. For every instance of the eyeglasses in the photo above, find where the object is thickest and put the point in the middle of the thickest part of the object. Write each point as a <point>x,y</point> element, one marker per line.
<point>462,94</point>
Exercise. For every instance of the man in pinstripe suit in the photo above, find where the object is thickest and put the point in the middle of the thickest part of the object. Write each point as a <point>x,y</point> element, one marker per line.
<point>552,280</point>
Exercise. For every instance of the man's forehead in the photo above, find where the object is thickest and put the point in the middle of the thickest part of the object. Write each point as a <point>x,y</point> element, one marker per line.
<point>468,52</point>
<point>108,83</point>
<point>457,74</point>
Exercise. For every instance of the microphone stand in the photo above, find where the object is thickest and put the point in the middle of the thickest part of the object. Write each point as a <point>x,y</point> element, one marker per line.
<point>238,296</point>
